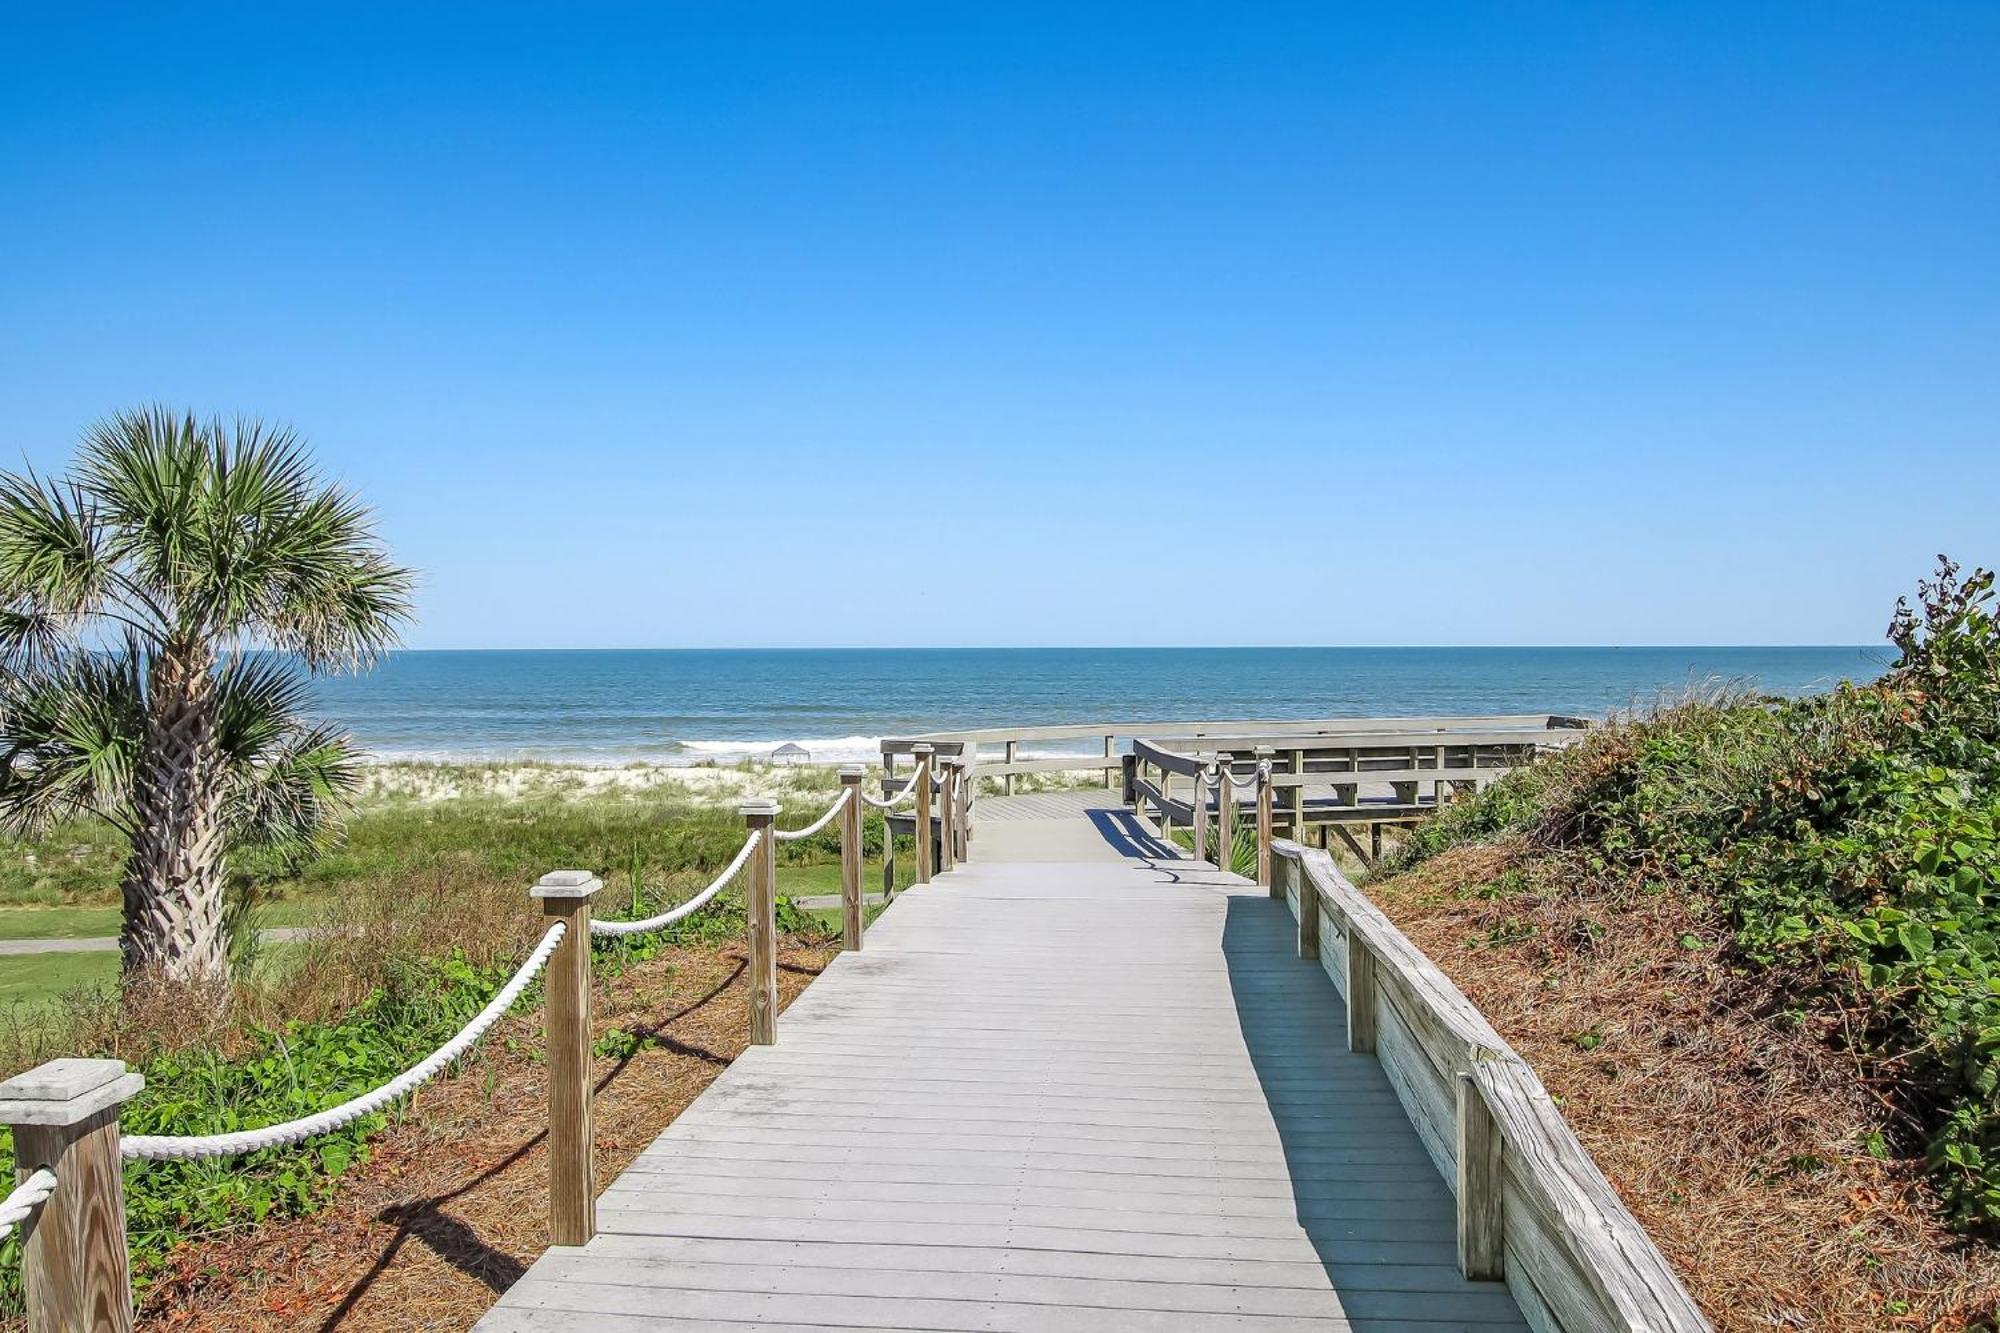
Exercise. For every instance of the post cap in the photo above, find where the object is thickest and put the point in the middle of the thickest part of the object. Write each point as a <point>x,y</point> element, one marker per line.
<point>566,884</point>
<point>853,772</point>
<point>757,806</point>
<point>1263,752</point>
<point>67,1091</point>
<point>923,747</point>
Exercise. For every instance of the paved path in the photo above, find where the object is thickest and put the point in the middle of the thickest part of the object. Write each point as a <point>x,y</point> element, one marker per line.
<point>1079,1084</point>
<point>109,943</point>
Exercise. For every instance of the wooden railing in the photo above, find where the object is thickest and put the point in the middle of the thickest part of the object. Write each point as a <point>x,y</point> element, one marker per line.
<point>64,1113</point>
<point>996,751</point>
<point>1533,1209</point>
<point>1320,769</point>
<point>1007,766</point>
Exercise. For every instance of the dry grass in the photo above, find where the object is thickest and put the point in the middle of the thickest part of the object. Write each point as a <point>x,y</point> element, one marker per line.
<point>442,909</point>
<point>451,1207</point>
<point>1739,1138</point>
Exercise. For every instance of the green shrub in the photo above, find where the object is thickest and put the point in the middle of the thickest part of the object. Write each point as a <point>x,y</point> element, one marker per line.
<point>304,1068</point>
<point>1851,843</point>
<point>288,1073</point>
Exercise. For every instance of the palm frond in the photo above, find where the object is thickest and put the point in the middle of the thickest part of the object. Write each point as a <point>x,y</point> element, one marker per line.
<point>30,637</point>
<point>290,782</point>
<point>54,569</point>
<point>234,537</point>
<point>319,584</point>
<point>71,732</point>
<point>258,699</point>
<point>297,796</point>
<point>145,470</point>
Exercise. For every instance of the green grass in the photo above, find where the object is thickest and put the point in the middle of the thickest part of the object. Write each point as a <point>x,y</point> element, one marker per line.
<point>65,885</point>
<point>57,923</point>
<point>34,979</point>
<point>75,923</point>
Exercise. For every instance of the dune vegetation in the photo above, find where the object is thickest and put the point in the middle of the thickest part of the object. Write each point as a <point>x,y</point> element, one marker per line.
<point>421,911</point>
<point>1755,946</point>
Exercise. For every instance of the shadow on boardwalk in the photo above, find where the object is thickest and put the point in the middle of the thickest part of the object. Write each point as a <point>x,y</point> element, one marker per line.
<point>1368,1196</point>
<point>1370,1199</point>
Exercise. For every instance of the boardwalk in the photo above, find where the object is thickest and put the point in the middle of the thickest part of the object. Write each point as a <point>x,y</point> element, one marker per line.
<point>1078,1084</point>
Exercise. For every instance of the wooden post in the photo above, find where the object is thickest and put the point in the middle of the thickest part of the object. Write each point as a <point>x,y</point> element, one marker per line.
<point>1306,893</point>
<point>1128,793</point>
<point>1374,841</point>
<point>953,805</point>
<point>888,830</point>
<point>1299,797</point>
<point>1110,759</point>
<point>1482,1250</point>
<point>1200,807</point>
<point>1010,765</point>
<point>850,857</point>
<point>1263,753</point>
<point>566,896</point>
<point>961,820</point>
<point>1443,792</point>
<point>761,904</point>
<point>1360,992</point>
<point>947,812</point>
<point>74,1263</point>
<point>1225,812</point>
<point>922,753</point>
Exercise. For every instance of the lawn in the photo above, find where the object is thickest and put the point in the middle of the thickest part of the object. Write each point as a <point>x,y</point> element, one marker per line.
<point>35,978</point>
<point>666,840</point>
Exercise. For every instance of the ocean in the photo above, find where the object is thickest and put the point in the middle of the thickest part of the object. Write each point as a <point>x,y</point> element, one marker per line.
<point>681,707</point>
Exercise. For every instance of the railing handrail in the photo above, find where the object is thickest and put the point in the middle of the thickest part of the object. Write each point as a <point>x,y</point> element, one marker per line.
<point>1183,727</point>
<point>1375,739</point>
<point>189,1147</point>
<point>826,817</point>
<point>683,910</point>
<point>1612,1274</point>
<point>21,1203</point>
<point>1171,761</point>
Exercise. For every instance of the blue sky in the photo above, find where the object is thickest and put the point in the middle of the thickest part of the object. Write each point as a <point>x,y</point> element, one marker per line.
<point>692,325</point>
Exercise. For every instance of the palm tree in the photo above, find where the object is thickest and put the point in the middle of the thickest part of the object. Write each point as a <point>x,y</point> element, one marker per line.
<point>161,610</point>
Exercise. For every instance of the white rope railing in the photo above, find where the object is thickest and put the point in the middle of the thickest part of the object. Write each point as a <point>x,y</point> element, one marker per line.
<point>688,908</point>
<point>884,803</point>
<point>29,1195</point>
<point>175,1147</point>
<point>793,835</point>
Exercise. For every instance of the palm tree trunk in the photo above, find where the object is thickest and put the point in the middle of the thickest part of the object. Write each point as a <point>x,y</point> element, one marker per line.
<point>173,887</point>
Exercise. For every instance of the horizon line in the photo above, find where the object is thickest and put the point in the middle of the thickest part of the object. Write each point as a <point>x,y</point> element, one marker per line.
<point>1116,647</point>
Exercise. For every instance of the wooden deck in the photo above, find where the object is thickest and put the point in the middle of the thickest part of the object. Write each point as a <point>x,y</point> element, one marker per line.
<point>1078,1084</point>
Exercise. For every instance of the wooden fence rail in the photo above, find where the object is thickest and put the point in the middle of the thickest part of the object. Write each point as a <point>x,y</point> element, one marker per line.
<point>1533,1209</point>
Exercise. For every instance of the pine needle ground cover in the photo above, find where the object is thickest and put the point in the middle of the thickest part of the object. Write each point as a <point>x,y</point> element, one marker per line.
<point>1755,947</point>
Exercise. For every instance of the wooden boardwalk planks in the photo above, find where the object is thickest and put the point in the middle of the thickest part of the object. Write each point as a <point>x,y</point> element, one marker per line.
<point>1088,1093</point>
